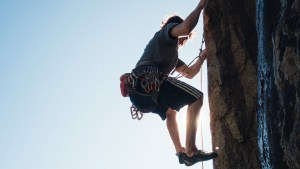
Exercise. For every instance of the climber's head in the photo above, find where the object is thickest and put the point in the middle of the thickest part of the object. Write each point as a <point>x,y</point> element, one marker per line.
<point>177,19</point>
<point>171,19</point>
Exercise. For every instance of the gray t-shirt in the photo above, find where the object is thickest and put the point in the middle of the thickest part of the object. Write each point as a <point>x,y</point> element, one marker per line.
<point>162,50</point>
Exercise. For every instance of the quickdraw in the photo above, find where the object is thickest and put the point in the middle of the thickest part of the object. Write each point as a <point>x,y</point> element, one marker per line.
<point>135,113</point>
<point>150,79</point>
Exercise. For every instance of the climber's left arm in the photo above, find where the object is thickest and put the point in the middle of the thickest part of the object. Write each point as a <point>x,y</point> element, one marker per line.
<point>191,71</point>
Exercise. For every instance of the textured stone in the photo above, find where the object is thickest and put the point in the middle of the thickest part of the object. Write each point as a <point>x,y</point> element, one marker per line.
<point>237,103</point>
<point>287,79</point>
<point>231,43</point>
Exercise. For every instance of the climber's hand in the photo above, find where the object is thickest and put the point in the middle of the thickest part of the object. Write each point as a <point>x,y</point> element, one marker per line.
<point>202,3</point>
<point>203,55</point>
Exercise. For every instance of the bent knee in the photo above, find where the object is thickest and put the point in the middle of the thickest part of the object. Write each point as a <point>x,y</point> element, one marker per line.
<point>171,113</point>
<point>199,101</point>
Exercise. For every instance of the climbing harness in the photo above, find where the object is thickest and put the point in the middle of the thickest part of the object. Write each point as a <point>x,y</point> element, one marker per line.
<point>145,80</point>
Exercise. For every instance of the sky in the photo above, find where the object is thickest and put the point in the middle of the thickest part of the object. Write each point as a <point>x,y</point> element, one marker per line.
<point>60,103</point>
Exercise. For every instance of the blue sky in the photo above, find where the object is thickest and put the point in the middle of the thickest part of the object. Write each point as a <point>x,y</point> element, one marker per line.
<point>60,104</point>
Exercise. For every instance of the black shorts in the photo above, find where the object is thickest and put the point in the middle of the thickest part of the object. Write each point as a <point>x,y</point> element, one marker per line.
<point>173,94</point>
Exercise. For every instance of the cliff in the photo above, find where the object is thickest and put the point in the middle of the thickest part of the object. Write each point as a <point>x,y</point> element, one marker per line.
<point>253,82</point>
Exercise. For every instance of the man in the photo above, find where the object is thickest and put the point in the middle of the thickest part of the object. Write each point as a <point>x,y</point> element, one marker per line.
<point>151,90</point>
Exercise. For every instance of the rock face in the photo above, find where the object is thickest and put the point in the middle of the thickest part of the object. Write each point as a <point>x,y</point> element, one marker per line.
<point>253,82</point>
<point>231,41</point>
<point>287,81</point>
<point>284,115</point>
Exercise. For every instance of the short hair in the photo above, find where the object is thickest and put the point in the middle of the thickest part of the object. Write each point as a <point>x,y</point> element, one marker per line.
<point>172,19</point>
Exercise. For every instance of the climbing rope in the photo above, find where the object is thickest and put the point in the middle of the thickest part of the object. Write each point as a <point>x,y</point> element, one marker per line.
<point>200,111</point>
<point>181,75</point>
<point>201,86</point>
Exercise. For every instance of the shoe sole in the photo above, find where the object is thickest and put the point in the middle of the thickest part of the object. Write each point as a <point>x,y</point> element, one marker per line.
<point>189,163</point>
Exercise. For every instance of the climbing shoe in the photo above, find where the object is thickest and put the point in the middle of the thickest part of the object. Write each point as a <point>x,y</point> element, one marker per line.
<point>197,157</point>
<point>180,157</point>
<point>204,156</point>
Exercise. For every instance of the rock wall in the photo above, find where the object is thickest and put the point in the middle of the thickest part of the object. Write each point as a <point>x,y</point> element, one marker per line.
<point>253,82</point>
<point>231,42</point>
<point>285,118</point>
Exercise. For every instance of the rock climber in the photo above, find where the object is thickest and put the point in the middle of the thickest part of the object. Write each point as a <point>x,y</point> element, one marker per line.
<point>151,89</point>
